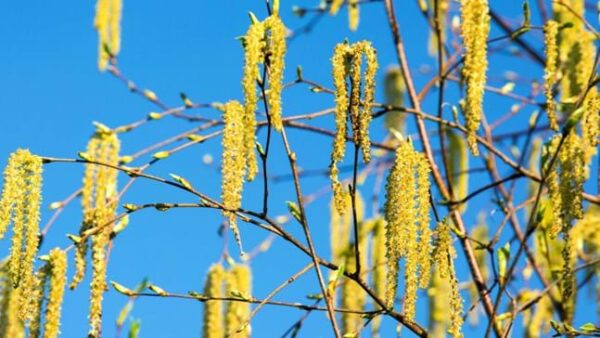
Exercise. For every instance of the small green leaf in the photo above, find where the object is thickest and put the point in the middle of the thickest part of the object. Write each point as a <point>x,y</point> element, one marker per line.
<point>121,289</point>
<point>76,239</point>
<point>589,328</point>
<point>182,181</point>
<point>121,225</point>
<point>55,205</point>
<point>186,101</point>
<point>526,14</point>
<point>503,258</point>
<point>161,154</point>
<point>125,159</point>
<point>134,329</point>
<point>162,206</point>
<point>195,138</point>
<point>124,313</point>
<point>150,95</point>
<point>130,207</point>
<point>253,18</point>
<point>154,116</point>
<point>159,291</point>
<point>84,156</point>
<point>294,210</point>
<point>299,73</point>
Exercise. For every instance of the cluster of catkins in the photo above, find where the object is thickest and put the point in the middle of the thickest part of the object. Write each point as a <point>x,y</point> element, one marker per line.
<point>232,317</point>
<point>347,64</point>
<point>264,43</point>
<point>403,233</point>
<point>570,58</point>
<point>23,290</point>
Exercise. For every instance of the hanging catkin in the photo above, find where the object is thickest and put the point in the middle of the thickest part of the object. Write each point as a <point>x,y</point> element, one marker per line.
<point>475,27</point>
<point>444,257</point>
<point>108,25</point>
<point>233,165</point>
<point>10,323</point>
<point>550,72</point>
<point>214,324</point>
<point>20,204</point>
<point>99,201</point>
<point>263,39</point>
<point>239,285</point>
<point>346,64</point>
<point>407,232</point>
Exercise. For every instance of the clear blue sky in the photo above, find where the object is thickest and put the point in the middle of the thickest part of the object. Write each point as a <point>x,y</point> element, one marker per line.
<point>51,91</point>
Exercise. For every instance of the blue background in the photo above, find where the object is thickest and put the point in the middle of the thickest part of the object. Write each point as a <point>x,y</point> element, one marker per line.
<point>51,91</point>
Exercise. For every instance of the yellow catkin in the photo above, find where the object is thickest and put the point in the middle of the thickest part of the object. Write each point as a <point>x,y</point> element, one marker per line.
<point>98,284</point>
<point>108,25</point>
<point>335,6</point>
<point>99,202</point>
<point>475,27</point>
<point>339,63</point>
<point>353,14</point>
<point>399,214</point>
<point>568,282</point>
<point>439,316</point>
<point>35,325</point>
<point>346,63</point>
<point>576,50</point>
<point>590,125</point>
<point>213,324</point>
<point>539,323</point>
<point>10,324</point>
<point>424,248</point>
<point>458,167</point>
<point>277,48</point>
<point>551,69</point>
<point>98,191</point>
<point>565,182</point>
<point>23,189</point>
<point>353,296</point>
<point>341,226</point>
<point>378,251</point>
<point>239,284</point>
<point>58,279</point>
<point>394,90</point>
<point>233,165</point>
<point>442,13</point>
<point>407,232</point>
<point>254,45</point>
<point>364,121</point>
<point>340,229</point>
<point>444,257</point>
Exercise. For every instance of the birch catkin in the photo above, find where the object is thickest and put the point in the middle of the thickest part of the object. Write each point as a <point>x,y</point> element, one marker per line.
<point>99,201</point>
<point>258,45</point>
<point>444,256</point>
<point>108,25</point>
<point>58,279</point>
<point>407,231</point>
<point>551,69</point>
<point>21,199</point>
<point>214,324</point>
<point>378,252</point>
<point>11,325</point>
<point>475,27</point>
<point>233,164</point>
<point>98,191</point>
<point>346,63</point>
<point>239,284</point>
